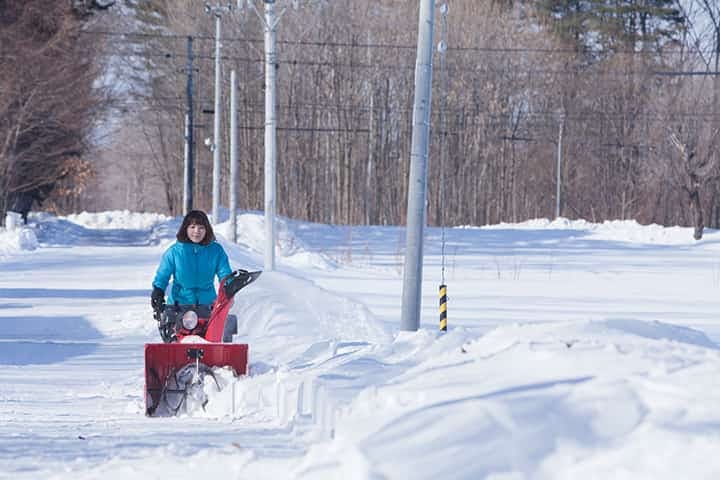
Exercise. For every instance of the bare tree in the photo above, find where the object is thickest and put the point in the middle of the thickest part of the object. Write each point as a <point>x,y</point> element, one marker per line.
<point>634,143</point>
<point>49,103</point>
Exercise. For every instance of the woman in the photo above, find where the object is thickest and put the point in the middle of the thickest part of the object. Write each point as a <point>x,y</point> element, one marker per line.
<point>193,262</point>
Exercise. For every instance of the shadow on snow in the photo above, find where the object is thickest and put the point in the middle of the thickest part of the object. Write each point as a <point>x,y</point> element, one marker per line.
<point>39,353</point>
<point>35,340</point>
<point>94,294</point>
<point>64,232</point>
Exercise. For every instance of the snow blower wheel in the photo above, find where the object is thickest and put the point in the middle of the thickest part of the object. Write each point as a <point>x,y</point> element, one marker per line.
<point>186,388</point>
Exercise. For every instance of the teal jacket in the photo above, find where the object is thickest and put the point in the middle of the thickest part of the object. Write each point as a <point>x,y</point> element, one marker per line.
<point>193,268</point>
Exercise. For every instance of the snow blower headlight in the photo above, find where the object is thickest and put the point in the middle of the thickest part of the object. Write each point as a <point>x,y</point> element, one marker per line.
<point>189,320</point>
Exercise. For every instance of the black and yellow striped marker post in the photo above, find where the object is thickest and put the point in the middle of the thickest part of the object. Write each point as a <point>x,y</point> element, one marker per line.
<point>443,308</point>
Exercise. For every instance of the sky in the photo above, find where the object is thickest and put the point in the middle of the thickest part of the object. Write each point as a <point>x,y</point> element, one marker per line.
<point>574,350</point>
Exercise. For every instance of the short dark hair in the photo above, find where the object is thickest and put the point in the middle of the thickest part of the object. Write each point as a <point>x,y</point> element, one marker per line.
<point>196,217</point>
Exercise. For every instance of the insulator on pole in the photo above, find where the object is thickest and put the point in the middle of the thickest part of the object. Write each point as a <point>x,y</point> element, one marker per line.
<point>443,308</point>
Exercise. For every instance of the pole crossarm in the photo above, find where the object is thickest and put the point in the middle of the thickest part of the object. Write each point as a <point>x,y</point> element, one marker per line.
<point>268,23</point>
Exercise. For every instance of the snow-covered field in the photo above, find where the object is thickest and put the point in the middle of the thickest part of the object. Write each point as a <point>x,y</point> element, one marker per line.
<point>574,350</point>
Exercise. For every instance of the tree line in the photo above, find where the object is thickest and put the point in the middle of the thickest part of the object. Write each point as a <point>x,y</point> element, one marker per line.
<point>621,94</point>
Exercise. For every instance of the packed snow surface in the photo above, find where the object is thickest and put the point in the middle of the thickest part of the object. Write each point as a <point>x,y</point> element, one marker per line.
<point>574,350</point>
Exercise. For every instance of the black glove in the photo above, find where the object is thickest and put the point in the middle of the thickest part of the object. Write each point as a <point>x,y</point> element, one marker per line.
<point>157,299</point>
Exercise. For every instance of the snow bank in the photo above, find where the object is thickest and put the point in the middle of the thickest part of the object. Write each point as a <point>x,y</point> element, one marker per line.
<point>550,400</point>
<point>17,240</point>
<point>250,232</point>
<point>118,219</point>
<point>615,230</point>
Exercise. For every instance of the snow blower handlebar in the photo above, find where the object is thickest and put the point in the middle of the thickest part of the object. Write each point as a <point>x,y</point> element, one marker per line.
<point>237,280</point>
<point>157,312</point>
<point>157,302</point>
<point>165,326</point>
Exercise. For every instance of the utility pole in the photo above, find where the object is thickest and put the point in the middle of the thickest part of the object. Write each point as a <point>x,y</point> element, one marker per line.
<point>417,190</point>
<point>233,156</point>
<point>218,11</point>
<point>189,173</point>
<point>559,167</point>
<point>187,181</point>
<point>270,133</point>
<point>270,21</point>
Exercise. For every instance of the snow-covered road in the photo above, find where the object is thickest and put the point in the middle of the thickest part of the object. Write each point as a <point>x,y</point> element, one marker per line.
<point>574,350</point>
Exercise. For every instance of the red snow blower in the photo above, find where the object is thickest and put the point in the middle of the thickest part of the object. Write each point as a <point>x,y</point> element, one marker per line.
<point>176,371</point>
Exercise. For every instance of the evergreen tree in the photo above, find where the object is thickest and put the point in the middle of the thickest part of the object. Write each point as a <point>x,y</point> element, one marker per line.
<point>613,25</point>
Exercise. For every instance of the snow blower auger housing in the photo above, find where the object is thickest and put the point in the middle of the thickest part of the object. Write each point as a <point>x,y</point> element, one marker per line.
<point>177,370</point>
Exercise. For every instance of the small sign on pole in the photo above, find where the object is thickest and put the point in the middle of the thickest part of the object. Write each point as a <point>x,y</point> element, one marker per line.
<point>443,308</point>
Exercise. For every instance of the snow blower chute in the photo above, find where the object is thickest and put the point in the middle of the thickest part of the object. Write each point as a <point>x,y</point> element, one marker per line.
<point>176,371</point>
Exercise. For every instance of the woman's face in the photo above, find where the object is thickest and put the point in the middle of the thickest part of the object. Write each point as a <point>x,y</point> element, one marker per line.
<point>196,232</point>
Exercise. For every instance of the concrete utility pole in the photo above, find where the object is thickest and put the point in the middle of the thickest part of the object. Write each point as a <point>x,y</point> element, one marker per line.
<point>233,156</point>
<point>559,167</point>
<point>189,135</point>
<point>417,192</point>
<point>270,133</point>
<point>187,176</point>
<point>218,11</point>
<point>270,20</point>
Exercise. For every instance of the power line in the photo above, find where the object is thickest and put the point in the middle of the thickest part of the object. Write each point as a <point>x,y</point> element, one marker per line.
<point>305,43</point>
<point>256,108</point>
<point>323,43</point>
<point>687,74</point>
<point>451,68</point>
